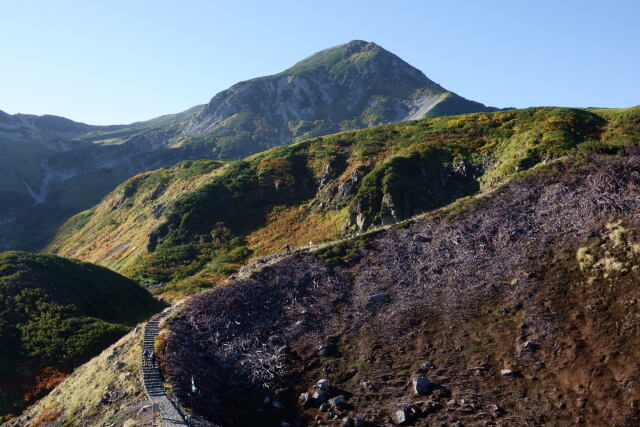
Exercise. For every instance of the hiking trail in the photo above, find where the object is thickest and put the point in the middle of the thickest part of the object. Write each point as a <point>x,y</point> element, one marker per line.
<point>153,381</point>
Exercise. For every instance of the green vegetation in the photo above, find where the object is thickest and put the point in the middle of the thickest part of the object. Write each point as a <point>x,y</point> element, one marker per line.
<point>343,251</point>
<point>57,313</point>
<point>80,396</point>
<point>216,218</point>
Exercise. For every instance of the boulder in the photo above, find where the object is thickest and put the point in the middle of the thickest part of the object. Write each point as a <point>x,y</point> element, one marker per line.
<point>324,407</point>
<point>496,410</point>
<point>406,414</point>
<point>336,402</point>
<point>378,298</point>
<point>421,385</point>
<point>319,396</point>
<point>508,373</point>
<point>401,417</point>
<point>323,385</point>
<point>304,399</point>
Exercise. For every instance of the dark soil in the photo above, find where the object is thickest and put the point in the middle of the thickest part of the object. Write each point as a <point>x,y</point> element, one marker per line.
<point>495,286</point>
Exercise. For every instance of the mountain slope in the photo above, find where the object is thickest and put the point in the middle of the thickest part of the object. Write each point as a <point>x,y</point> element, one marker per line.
<point>48,175</point>
<point>54,314</point>
<point>193,231</point>
<point>522,301</point>
<point>52,168</point>
<point>105,390</point>
<point>537,275</point>
<point>351,86</point>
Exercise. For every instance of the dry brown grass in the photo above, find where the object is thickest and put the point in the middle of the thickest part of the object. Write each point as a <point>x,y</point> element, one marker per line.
<point>296,226</point>
<point>79,396</point>
<point>47,415</point>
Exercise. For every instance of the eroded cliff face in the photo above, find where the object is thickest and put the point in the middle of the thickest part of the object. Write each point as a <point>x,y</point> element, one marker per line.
<point>413,191</point>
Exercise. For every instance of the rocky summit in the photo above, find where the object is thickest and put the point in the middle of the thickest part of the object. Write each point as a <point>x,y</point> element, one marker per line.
<point>351,86</point>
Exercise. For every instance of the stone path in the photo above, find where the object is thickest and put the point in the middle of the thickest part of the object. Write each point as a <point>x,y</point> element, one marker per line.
<point>152,379</point>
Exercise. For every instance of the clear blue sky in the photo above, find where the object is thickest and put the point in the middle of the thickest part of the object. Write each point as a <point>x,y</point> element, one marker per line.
<point>106,62</point>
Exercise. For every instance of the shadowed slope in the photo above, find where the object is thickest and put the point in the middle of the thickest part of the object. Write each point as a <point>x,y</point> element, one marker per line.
<point>55,314</point>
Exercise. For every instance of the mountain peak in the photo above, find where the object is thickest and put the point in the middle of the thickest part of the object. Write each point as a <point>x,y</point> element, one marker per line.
<point>352,53</point>
<point>353,85</point>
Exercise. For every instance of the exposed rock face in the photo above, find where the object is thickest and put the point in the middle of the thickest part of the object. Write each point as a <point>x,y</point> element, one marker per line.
<point>423,187</point>
<point>389,212</point>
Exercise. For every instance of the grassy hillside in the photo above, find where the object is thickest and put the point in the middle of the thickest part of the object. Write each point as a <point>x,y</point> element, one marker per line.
<point>208,224</point>
<point>518,306</point>
<point>116,231</point>
<point>321,188</point>
<point>105,390</point>
<point>55,314</point>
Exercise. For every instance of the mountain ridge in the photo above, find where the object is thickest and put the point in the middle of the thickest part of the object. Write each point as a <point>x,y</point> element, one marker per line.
<point>187,227</point>
<point>52,168</point>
